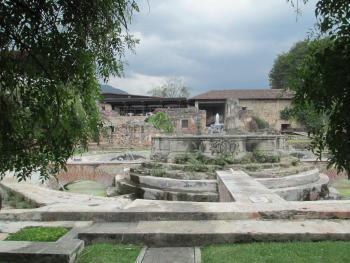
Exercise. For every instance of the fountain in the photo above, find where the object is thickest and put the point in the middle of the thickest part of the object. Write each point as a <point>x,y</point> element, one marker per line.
<point>217,127</point>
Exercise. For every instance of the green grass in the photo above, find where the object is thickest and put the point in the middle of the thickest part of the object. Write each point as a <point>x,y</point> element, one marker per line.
<point>108,253</point>
<point>41,234</point>
<point>343,186</point>
<point>290,252</point>
<point>86,187</point>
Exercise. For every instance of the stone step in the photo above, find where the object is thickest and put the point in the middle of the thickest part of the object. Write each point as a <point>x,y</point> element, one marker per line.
<point>199,233</point>
<point>170,255</point>
<point>145,192</point>
<point>41,252</point>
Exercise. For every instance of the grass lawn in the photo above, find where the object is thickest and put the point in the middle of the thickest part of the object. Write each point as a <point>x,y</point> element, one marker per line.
<point>42,234</point>
<point>109,253</point>
<point>343,186</point>
<point>296,252</point>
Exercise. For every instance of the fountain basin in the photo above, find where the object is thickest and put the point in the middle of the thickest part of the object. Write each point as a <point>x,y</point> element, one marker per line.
<point>166,148</point>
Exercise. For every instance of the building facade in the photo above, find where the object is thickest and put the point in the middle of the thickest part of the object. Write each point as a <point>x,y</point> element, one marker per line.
<point>265,104</point>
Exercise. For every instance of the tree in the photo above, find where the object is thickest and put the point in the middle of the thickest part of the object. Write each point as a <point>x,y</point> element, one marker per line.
<point>285,64</point>
<point>52,53</point>
<point>172,88</point>
<point>323,80</point>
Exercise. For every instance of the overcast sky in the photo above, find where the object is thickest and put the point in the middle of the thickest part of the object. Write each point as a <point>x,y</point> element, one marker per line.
<point>211,44</point>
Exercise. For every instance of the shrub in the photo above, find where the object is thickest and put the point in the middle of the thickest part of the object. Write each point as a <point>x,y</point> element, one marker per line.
<point>224,158</point>
<point>161,121</point>
<point>286,114</point>
<point>262,124</point>
<point>157,172</point>
<point>181,159</point>
<point>261,157</point>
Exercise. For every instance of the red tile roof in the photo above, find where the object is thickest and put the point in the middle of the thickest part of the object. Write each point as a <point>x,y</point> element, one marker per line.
<point>245,94</point>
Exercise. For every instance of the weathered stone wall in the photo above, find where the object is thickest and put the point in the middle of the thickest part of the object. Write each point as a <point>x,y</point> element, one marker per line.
<point>133,131</point>
<point>196,120</point>
<point>268,110</point>
<point>129,131</point>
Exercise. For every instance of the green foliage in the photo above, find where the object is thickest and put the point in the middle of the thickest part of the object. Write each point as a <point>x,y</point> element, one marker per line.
<point>224,159</point>
<point>173,88</point>
<point>262,124</point>
<point>286,114</point>
<point>197,162</point>
<point>103,253</point>
<point>322,80</point>
<point>39,234</point>
<point>157,172</point>
<point>276,252</point>
<point>52,53</point>
<point>262,157</point>
<point>300,143</point>
<point>161,121</point>
<point>285,64</point>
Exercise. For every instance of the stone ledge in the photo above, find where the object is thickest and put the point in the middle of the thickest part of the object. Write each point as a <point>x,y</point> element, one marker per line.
<point>53,252</point>
<point>302,178</point>
<point>297,193</point>
<point>177,210</point>
<point>198,233</point>
<point>175,184</point>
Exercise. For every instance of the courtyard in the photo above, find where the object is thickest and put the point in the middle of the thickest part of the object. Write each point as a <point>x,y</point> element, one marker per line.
<point>178,131</point>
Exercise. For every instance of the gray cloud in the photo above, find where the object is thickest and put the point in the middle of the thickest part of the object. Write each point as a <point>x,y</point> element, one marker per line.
<point>211,44</point>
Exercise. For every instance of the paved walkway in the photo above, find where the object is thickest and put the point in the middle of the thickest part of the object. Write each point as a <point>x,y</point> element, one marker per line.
<point>243,188</point>
<point>170,255</point>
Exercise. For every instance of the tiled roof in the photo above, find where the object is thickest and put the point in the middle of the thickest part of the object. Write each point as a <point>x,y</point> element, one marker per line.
<point>245,94</point>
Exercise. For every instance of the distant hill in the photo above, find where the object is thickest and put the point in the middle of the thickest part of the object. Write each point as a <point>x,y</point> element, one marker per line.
<point>109,89</point>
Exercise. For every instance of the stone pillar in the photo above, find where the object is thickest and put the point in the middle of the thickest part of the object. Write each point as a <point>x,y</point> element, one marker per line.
<point>232,116</point>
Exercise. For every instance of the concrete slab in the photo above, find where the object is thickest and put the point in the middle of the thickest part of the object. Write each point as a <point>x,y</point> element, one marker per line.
<point>177,210</point>
<point>23,251</point>
<point>169,255</point>
<point>242,188</point>
<point>197,233</point>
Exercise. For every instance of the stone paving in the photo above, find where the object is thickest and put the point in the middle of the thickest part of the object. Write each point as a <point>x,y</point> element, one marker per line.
<point>257,215</point>
<point>237,186</point>
<point>171,255</point>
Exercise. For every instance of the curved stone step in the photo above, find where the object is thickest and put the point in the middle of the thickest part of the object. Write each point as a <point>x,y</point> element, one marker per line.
<point>303,178</point>
<point>175,184</point>
<point>202,232</point>
<point>300,193</point>
<point>145,192</point>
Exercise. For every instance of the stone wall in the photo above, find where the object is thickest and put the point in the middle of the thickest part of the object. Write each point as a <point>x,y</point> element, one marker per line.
<point>128,131</point>
<point>134,131</point>
<point>187,120</point>
<point>268,110</point>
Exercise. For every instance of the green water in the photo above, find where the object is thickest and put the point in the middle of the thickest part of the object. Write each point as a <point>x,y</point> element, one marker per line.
<point>86,187</point>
